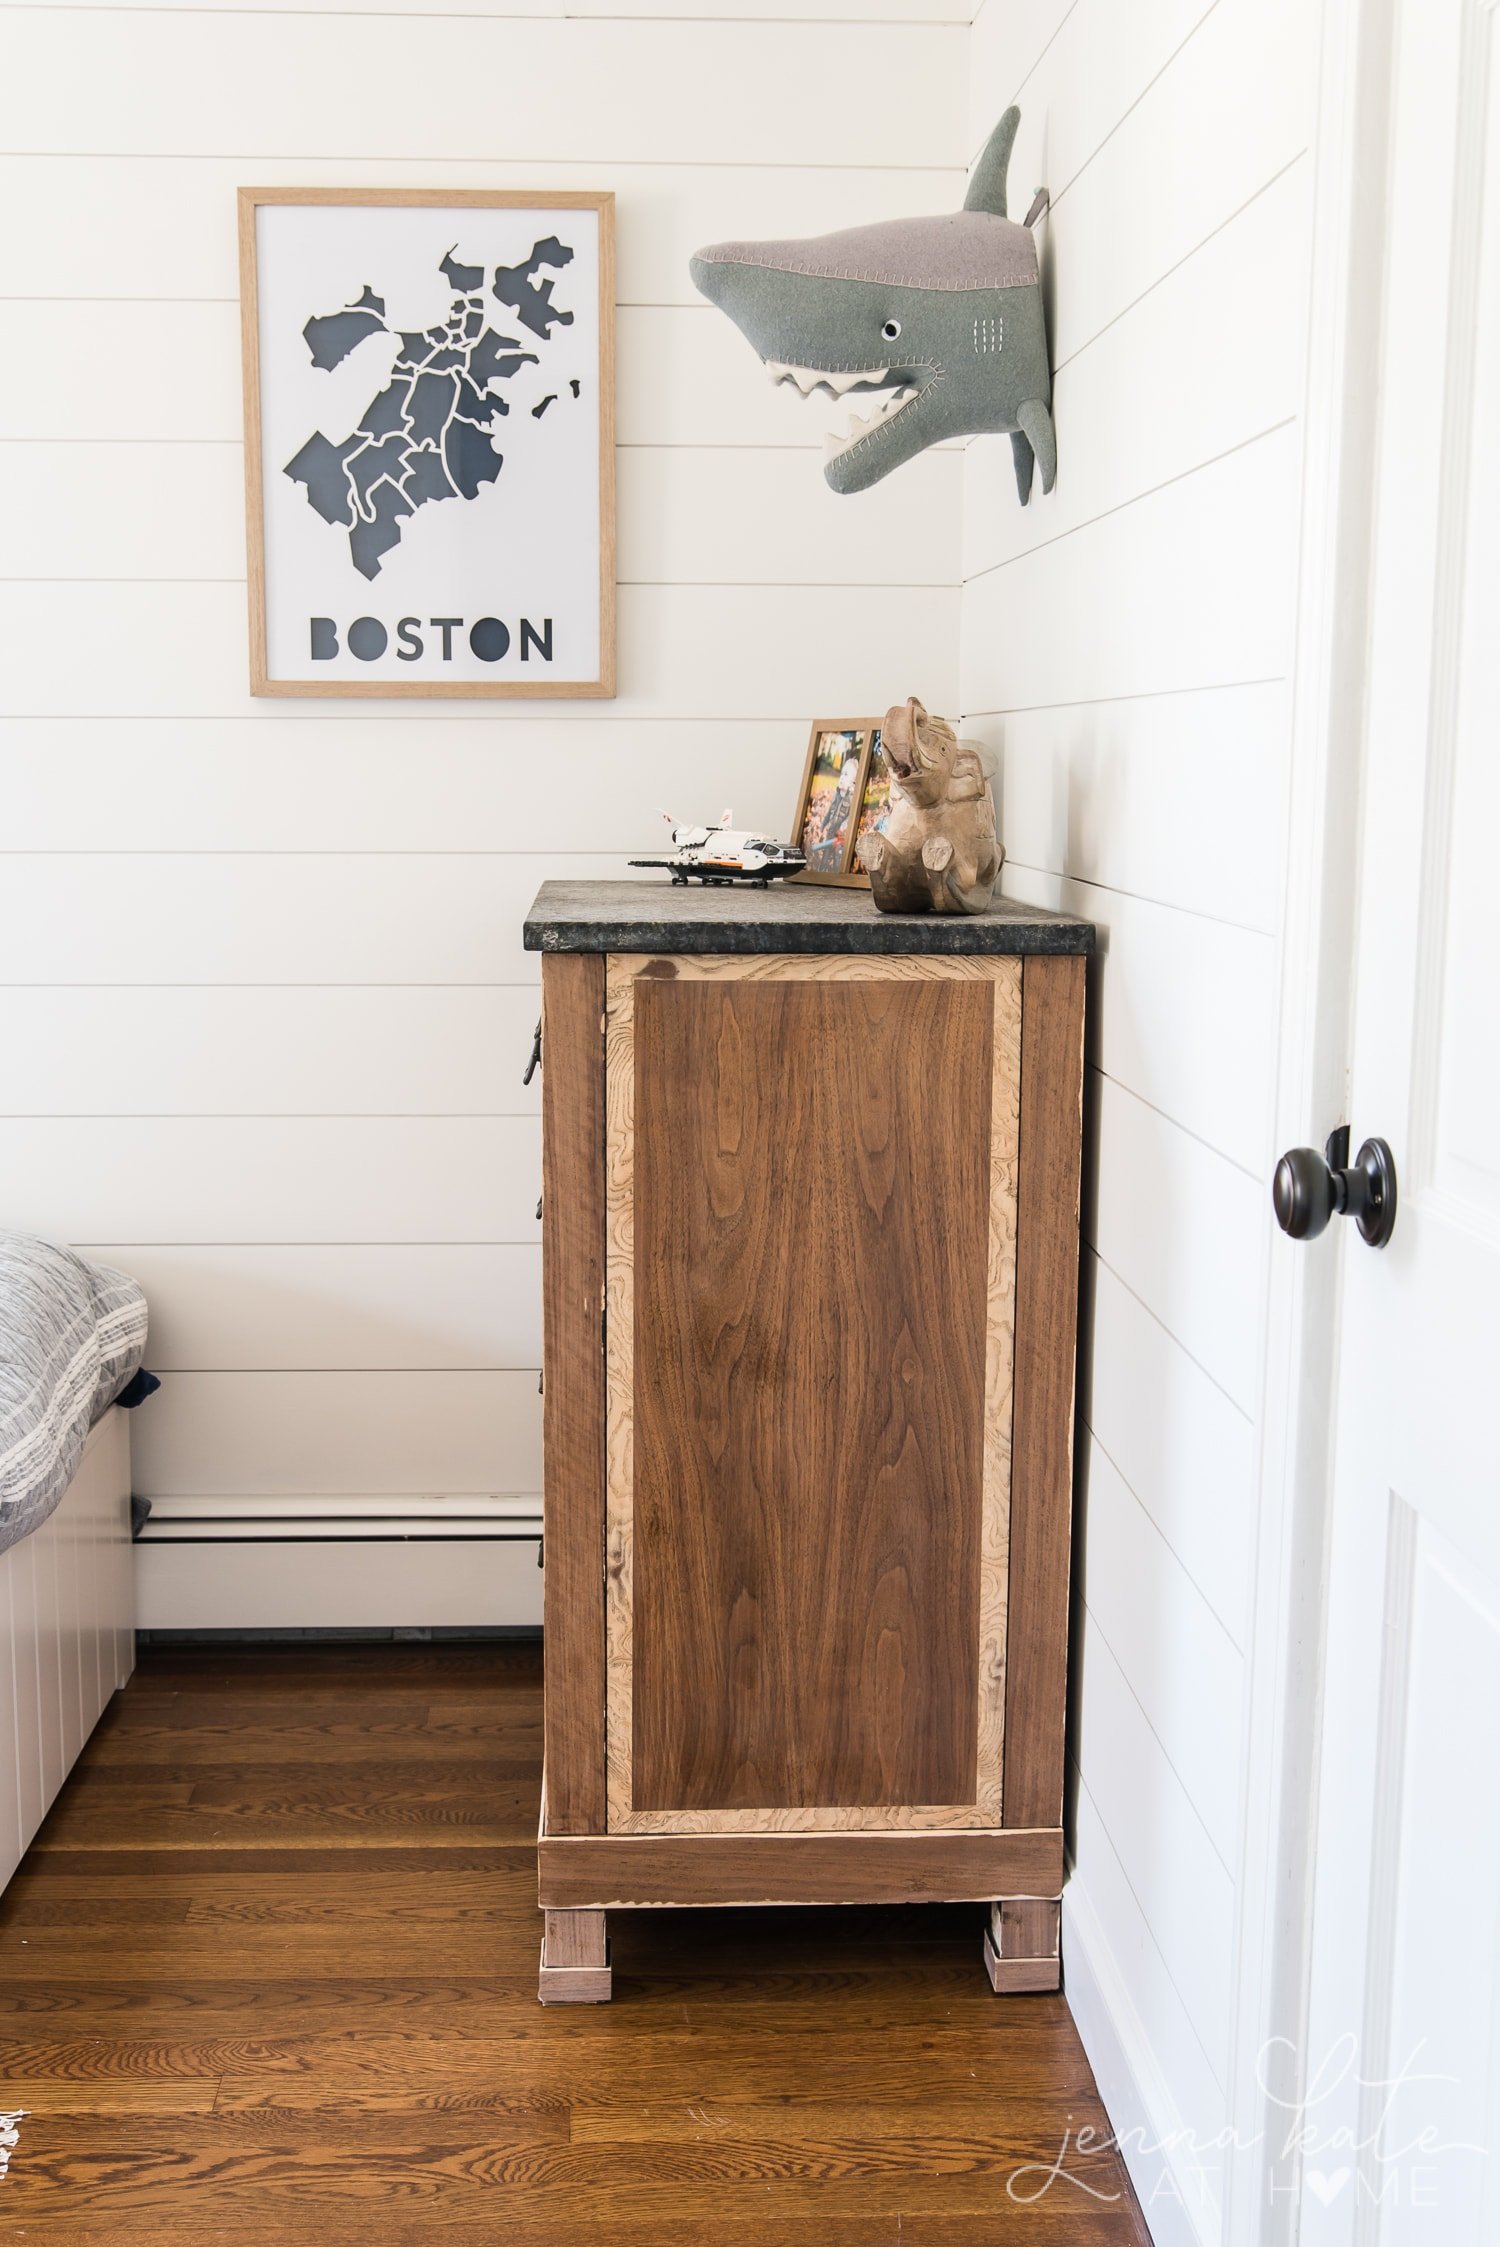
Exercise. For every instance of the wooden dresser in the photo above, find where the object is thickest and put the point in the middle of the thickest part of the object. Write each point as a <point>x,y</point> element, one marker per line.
<point>810,1242</point>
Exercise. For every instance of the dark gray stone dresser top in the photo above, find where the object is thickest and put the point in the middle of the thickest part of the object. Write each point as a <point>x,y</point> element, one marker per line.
<point>663,916</point>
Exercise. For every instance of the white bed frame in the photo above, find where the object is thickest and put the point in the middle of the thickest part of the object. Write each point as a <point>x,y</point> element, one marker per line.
<point>67,1633</point>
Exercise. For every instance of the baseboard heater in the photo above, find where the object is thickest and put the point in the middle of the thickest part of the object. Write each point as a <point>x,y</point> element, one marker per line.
<point>267,1563</point>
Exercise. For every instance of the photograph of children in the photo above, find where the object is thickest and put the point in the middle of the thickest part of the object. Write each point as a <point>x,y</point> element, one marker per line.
<point>831,798</point>
<point>877,796</point>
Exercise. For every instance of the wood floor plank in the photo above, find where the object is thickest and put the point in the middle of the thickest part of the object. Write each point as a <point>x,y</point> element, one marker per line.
<point>593,2066</point>
<point>295,2228</point>
<point>278,1952</point>
<point>314,1780</point>
<point>283,2192</point>
<point>225,1812</point>
<point>332,1712</point>
<point>490,1947</point>
<point>310,1860</point>
<point>328,1744</point>
<point>92,2103</point>
<point>269,1973</point>
<point>449,2155</point>
<point>23,1908</point>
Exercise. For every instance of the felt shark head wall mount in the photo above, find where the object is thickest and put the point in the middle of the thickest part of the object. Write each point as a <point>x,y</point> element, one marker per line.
<point>941,318</point>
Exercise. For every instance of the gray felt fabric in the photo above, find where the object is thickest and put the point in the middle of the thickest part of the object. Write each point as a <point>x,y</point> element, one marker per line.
<point>987,187</point>
<point>72,1334</point>
<point>941,317</point>
<point>960,250</point>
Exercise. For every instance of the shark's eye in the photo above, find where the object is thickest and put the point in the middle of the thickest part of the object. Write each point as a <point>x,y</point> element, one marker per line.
<point>891,330</point>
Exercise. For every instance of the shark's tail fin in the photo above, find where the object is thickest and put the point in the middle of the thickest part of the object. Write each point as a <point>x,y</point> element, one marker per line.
<point>987,187</point>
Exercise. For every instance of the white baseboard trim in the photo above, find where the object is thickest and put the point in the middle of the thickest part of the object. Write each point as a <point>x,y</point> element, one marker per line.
<point>283,1518</point>
<point>303,1582</point>
<point>1142,2112</point>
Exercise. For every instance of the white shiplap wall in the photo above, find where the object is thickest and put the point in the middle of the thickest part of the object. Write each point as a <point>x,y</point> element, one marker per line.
<point>266,1008</point>
<point>1126,646</point>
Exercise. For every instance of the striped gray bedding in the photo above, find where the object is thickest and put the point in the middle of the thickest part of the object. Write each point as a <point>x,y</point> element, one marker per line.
<point>72,1334</point>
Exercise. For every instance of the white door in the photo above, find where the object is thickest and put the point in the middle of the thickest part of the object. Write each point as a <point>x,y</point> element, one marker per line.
<point>1403,2037</point>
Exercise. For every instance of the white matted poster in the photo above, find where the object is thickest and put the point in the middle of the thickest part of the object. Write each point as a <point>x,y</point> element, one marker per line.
<point>429,441</point>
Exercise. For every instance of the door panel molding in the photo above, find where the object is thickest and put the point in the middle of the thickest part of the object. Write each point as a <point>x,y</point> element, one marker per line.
<point>1462,516</point>
<point>1279,1747</point>
<point>1385,1855</point>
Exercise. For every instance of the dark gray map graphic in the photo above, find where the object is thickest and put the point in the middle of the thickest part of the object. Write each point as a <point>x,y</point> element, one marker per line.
<point>427,434</point>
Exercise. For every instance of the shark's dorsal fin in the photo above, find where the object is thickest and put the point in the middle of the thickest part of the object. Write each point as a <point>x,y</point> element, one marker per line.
<point>987,187</point>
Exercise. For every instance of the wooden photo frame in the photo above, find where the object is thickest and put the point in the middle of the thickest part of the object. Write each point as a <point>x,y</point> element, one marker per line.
<point>429,441</point>
<point>825,826</point>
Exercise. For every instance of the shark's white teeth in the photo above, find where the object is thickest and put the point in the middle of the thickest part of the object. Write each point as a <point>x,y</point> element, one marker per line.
<point>809,379</point>
<point>862,425</point>
<point>882,408</point>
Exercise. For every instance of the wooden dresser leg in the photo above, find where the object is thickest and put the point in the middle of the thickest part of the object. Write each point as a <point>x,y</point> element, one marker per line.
<point>1022,1944</point>
<point>575,1967</point>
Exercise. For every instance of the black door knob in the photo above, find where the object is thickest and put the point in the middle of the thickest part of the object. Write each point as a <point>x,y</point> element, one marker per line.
<point>1308,1189</point>
<point>1302,1193</point>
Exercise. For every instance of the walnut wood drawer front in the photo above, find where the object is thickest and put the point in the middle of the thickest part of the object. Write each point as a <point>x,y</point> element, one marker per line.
<point>793,1583</point>
<point>811,1203</point>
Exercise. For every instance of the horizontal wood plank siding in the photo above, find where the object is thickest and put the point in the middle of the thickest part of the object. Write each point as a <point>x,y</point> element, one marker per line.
<point>152,225</point>
<point>1167,778</point>
<point>686,380</point>
<point>340,784</point>
<point>177,650</point>
<point>302,1050</point>
<point>1184,1019</point>
<point>261,961</point>
<point>352,1434</point>
<point>341,1307</point>
<point>732,513</point>
<point>263,1178</point>
<point>621,90</point>
<point>1126,650</point>
<point>1204,1519</point>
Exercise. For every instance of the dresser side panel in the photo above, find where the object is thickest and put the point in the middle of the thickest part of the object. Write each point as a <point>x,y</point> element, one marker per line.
<point>1052,1001</point>
<point>573,1406</point>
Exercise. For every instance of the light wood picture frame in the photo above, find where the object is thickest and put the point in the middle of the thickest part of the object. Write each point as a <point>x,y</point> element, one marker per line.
<point>459,540</point>
<point>831,860</point>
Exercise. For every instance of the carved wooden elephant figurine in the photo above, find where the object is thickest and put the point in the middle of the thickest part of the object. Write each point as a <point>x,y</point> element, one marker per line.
<point>937,852</point>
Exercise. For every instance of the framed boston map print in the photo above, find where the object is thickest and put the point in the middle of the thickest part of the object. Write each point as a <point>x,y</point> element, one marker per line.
<point>429,441</point>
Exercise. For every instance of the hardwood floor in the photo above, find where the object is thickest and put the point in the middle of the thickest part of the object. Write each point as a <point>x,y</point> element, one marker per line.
<point>269,1973</point>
